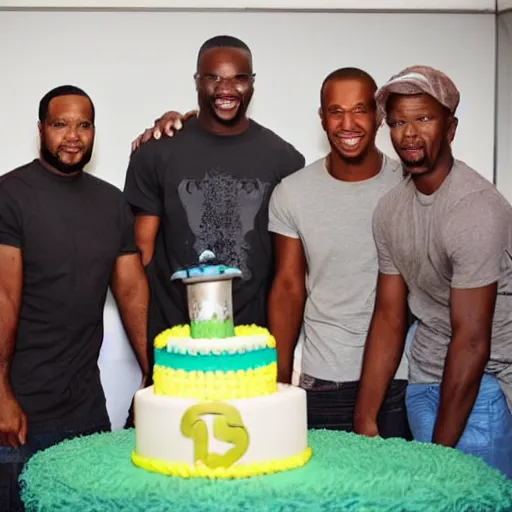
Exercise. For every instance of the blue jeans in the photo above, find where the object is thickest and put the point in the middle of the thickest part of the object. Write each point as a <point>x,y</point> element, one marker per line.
<point>13,459</point>
<point>488,432</point>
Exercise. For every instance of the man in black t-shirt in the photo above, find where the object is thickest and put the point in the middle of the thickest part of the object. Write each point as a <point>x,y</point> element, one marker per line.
<point>65,237</point>
<point>208,189</point>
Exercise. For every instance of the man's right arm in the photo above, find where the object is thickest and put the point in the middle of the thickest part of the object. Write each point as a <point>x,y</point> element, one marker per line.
<point>383,351</point>
<point>167,124</point>
<point>286,302</point>
<point>144,194</point>
<point>386,337</point>
<point>285,306</point>
<point>146,228</point>
<point>13,424</point>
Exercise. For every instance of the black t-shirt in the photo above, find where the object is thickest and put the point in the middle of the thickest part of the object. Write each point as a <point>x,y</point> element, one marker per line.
<point>70,231</point>
<point>210,192</point>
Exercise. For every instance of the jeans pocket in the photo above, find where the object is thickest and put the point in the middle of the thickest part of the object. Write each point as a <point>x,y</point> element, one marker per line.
<point>422,401</point>
<point>488,432</point>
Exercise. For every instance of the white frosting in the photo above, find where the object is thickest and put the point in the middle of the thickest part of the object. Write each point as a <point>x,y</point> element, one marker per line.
<point>236,344</point>
<point>276,424</point>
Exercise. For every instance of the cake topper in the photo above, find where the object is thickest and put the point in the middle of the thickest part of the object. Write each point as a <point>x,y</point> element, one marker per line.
<point>209,296</point>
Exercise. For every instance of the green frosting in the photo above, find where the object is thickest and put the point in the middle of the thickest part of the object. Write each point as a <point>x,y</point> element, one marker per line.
<point>346,473</point>
<point>212,329</point>
<point>224,362</point>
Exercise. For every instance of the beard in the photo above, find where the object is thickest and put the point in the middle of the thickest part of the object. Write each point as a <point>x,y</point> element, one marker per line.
<point>62,167</point>
<point>209,102</point>
<point>240,114</point>
<point>418,164</point>
<point>426,162</point>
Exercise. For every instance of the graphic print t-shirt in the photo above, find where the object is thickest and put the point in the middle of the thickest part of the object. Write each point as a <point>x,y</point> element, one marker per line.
<point>211,193</point>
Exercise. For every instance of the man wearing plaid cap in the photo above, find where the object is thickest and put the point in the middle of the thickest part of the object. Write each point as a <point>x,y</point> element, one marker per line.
<point>444,241</point>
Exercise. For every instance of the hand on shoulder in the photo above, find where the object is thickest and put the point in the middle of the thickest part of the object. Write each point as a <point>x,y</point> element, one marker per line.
<point>169,123</point>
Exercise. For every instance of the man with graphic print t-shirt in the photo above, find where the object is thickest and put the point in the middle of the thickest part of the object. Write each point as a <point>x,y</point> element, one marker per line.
<point>208,188</point>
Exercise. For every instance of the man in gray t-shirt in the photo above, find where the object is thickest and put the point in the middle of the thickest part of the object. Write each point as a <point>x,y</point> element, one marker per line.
<point>444,240</point>
<point>326,260</point>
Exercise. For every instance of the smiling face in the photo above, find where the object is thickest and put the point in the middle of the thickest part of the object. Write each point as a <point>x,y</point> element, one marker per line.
<point>67,133</point>
<point>421,131</point>
<point>348,116</point>
<point>224,83</point>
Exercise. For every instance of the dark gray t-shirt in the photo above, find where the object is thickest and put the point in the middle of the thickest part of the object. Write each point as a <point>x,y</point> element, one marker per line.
<point>458,237</point>
<point>70,230</point>
<point>333,220</point>
<point>211,193</point>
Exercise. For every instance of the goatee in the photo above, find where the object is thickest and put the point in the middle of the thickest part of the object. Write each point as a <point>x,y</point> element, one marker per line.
<point>56,163</point>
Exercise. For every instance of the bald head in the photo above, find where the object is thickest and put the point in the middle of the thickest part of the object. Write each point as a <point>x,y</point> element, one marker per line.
<point>349,74</point>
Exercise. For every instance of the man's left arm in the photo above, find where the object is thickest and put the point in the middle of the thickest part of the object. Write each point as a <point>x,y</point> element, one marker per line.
<point>130,289</point>
<point>476,237</point>
<point>471,312</point>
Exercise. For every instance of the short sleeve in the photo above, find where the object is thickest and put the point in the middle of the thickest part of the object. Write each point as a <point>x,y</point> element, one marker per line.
<point>476,235</point>
<point>293,162</point>
<point>128,245</point>
<point>280,217</point>
<point>385,257</point>
<point>142,187</point>
<point>11,221</point>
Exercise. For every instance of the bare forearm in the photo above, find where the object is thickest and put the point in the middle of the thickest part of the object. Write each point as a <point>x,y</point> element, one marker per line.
<point>379,365</point>
<point>8,323</point>
<point>463,372</point>
<point>285,314</point>
<point>133,308</point>
<point>146,229</point>
<point>11,280</point>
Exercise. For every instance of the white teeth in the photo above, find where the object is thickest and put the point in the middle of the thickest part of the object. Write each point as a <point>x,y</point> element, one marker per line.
<point>350,142</point>
<point>225,104</point>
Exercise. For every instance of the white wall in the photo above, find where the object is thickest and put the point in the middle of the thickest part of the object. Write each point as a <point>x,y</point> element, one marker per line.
<point>504,110</point>
<point>136,65</point>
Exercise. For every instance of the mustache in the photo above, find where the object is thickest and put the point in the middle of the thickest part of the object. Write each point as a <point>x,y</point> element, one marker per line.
<point>56,163</point>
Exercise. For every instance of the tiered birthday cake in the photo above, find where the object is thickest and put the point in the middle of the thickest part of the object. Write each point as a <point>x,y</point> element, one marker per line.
<point>215,409</point>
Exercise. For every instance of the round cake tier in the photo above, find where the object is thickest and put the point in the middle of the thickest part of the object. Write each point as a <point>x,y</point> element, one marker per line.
<point>241,366</point>
<point>185,437</point>
<point>346,473</point>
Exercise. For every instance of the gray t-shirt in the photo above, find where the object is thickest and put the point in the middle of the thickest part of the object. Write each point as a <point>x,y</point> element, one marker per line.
<point>460,237</point>
<point>333,219</point>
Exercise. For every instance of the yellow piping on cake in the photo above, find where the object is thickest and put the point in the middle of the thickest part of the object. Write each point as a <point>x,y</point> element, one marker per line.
<point>183,331</point>
<point>255,330</point>
<point>215,385</point>
<point>178,331</point>
<point>199,470</point>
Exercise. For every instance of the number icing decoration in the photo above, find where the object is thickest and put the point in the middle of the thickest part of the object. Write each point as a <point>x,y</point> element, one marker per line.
<point>227,427</point>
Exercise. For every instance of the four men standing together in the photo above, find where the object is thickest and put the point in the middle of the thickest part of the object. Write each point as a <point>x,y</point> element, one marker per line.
<point>356,245</point>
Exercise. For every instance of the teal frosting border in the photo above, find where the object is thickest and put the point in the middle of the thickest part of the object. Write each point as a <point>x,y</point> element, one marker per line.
<point>215,362</point>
